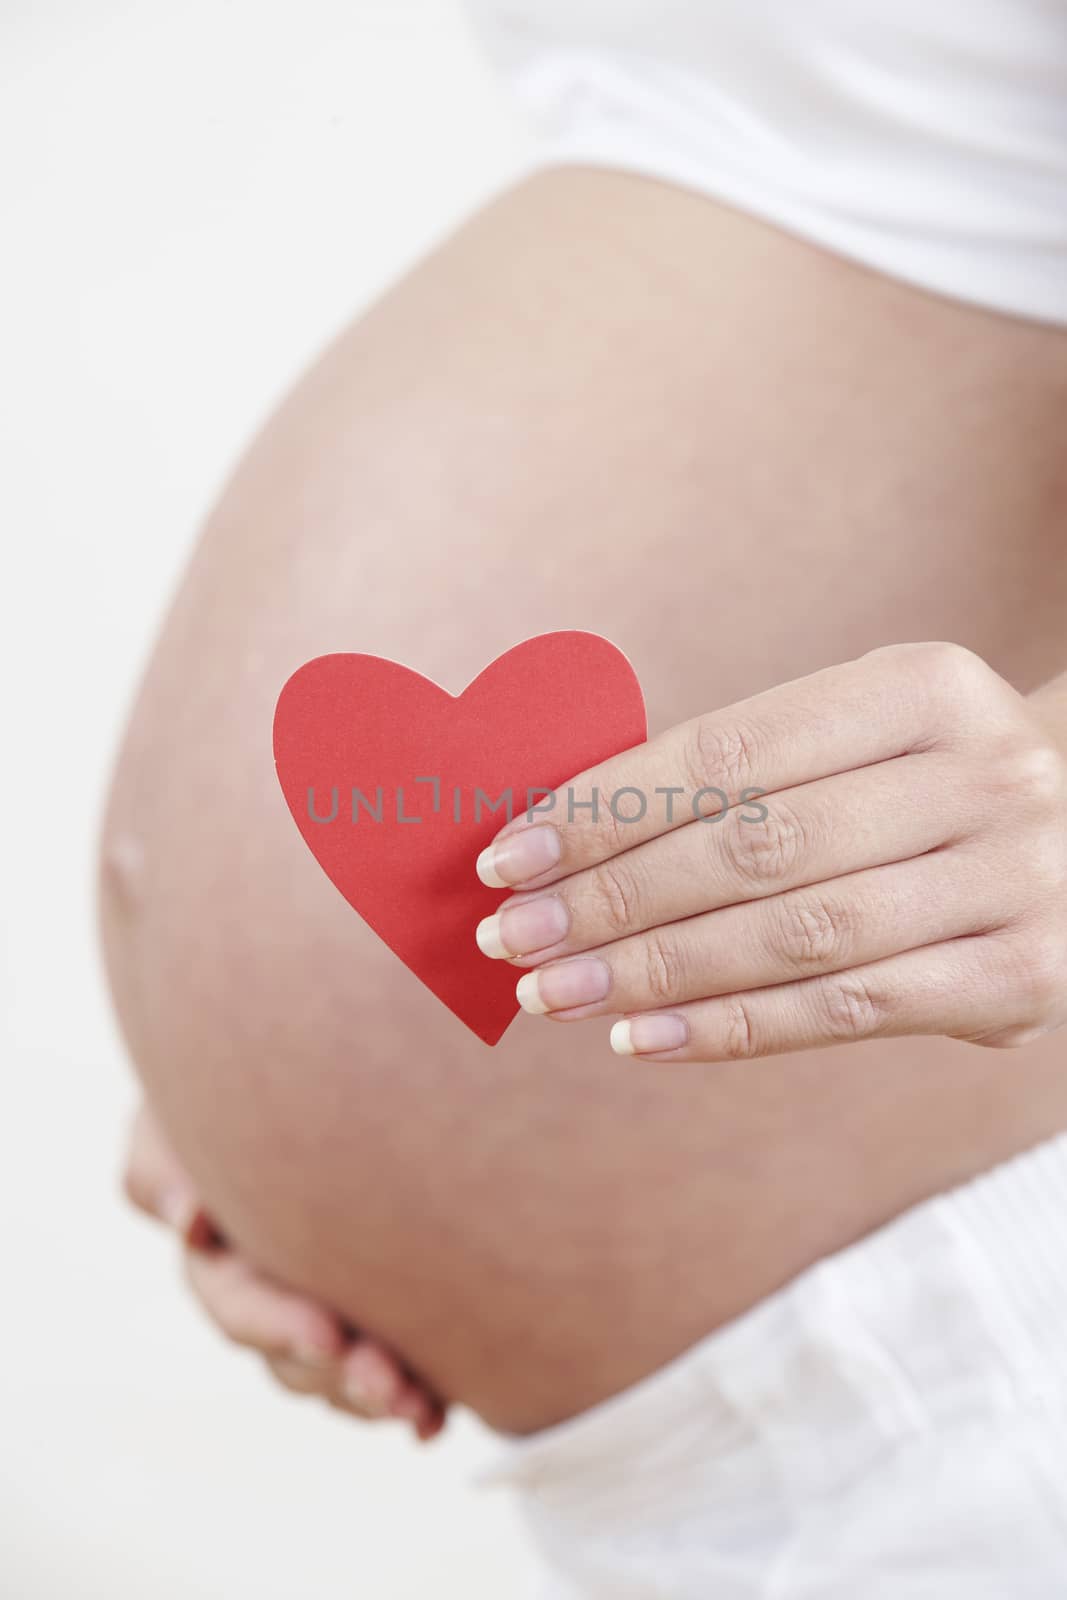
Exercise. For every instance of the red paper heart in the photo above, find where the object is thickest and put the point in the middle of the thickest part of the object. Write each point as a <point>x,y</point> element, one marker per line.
<point>538,715</point>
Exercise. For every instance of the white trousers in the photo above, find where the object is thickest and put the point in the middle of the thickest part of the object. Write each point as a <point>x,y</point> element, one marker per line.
<point>890,1426</point>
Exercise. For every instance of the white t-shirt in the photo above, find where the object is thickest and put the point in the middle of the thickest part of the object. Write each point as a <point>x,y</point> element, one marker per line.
<point>925,138</point>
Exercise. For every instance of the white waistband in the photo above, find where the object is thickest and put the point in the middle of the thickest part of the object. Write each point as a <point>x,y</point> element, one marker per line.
<point>955,1309</point>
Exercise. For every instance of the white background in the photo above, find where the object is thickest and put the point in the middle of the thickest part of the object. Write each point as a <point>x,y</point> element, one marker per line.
<point>193,197</point>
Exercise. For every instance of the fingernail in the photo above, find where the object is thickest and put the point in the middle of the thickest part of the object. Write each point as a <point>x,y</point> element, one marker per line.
<point>515,930</point>
<point>358,1394</point>
<point>642,1036</point>
<point>571,983</point>
<point>519,857</point>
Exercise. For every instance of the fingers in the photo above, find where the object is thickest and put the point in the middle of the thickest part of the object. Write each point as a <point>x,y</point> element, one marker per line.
<point>334,1385</point>
<point>951,988</point>
<point>366,1383</point>
<point>253,1311</point>
<point>845,922</point>
<point>300,1377</point>
<point>307,1347</point>
<point>879,814</point>
<point>373,1383</point>
<point>883,705</point>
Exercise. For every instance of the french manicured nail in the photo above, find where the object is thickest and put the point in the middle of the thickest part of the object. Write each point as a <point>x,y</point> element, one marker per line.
<point>571,983</point>
<point>646,1036</point>
<point>519,857</point>
<point>515,930</point>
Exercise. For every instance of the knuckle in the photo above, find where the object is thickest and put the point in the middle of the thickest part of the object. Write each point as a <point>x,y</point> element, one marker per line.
<point>1051,866</point>
<point>615,899</point>
<point>1043,862</point>
<point>1032,771</point>
<point>1046,977</point>
<point>949,686</point>
<point>851,1010</point>
<point>738,1033</point>
<point>597,834</point>
<point>611,831</point>
<point>664,967</point>
<point>811,933</point>
<point>1028,973</point>
<point>1013,1038</point>
<point>766,852</point>
<point>946,665</point>
<point>723,755</point>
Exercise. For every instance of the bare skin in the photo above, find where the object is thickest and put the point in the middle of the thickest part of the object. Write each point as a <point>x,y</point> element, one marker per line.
<point>604,404</point>
<point>307,1346</point>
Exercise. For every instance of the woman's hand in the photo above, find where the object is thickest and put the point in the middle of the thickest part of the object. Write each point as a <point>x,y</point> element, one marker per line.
<point>306,1347</point>
<point>877,849</point>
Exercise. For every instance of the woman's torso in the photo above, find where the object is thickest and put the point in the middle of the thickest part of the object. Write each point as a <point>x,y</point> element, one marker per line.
<point>613,405</point>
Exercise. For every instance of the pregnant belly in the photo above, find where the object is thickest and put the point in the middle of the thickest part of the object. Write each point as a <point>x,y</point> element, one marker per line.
<point>604,404</point>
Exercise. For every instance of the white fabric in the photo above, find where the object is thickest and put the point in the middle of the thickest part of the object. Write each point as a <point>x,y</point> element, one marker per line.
<point>925,138</point>
<point>890,1426</point>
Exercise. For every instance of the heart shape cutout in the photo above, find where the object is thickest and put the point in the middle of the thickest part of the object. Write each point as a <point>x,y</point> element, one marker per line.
<point>390,780</point>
